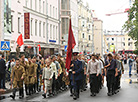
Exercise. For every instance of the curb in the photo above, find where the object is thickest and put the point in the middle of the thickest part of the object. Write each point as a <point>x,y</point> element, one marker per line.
<point>2,91</point>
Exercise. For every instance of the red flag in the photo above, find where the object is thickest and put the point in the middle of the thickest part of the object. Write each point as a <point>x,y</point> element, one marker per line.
<point>71,44</point>
<point>20,40</point>
<point>39,47</point>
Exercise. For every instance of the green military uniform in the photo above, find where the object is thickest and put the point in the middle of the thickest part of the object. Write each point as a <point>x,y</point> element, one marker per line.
<point>16,74</point>
<point>31,75</point>
<point>17,52</point>
<point>41,66</point>
<point>35,65</point>
<point>26,67</point>
<point>26,79</point>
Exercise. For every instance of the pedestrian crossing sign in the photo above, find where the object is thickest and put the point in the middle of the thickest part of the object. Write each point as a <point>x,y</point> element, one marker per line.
<point>5,45</point>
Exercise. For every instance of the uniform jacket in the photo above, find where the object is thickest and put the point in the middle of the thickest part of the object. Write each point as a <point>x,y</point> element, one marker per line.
<point>17,73</point>
<point>78,70</point>
<point>31,70</point>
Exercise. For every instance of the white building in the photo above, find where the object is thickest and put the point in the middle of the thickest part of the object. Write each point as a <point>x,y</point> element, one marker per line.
<point>44,25</point>
<point>120,41</point>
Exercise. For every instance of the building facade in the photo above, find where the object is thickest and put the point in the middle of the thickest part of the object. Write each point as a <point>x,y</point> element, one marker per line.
<point>69,8</point>
<point>44,25</point>
<point>98,36</point>
<point>85,27</point>
<point>121,41</point>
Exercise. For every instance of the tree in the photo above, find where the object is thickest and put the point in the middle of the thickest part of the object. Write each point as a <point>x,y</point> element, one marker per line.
<point>131,25</point>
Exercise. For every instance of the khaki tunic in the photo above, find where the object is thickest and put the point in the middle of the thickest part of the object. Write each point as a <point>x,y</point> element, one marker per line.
<point>40,77</point>
<point>26,67</point>
<point>35,65</point>
<point>31,73</point>
<point>16,75</point>
<point>17,52</point>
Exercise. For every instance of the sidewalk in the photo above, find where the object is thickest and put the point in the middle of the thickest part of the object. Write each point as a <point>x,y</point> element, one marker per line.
<point>4,91</point>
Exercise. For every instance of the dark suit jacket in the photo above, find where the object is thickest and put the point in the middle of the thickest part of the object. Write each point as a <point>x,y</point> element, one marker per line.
<point>78,70</point>
<point>2,66</point>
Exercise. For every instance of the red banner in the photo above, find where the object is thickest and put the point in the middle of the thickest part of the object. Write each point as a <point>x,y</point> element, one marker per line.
<point>26,25</point>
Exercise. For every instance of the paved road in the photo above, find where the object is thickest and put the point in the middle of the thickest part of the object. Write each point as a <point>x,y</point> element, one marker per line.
<point>128,93</point>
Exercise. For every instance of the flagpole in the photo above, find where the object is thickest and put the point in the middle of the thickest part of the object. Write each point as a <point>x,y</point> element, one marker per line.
<point>72,50</point>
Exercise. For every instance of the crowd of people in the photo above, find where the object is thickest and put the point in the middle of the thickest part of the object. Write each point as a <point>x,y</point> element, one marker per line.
<point>51,76</point>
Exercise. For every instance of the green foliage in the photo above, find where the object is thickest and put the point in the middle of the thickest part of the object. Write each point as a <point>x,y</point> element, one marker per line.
<point>131,25</point>
<point>136,52</point>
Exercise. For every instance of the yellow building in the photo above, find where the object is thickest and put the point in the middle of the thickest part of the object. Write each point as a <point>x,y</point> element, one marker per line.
<point>121,41</point>
<point>85,27</point>
<point>98,36</point>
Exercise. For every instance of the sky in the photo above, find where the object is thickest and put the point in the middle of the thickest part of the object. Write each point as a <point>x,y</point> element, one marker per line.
<point>102,7</point>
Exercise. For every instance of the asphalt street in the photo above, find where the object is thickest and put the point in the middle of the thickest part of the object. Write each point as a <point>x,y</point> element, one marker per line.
<point>128,93</point>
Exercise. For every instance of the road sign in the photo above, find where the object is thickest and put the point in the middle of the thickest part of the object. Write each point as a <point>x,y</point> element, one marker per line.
<point>65,48</point>
<point>5,45</point>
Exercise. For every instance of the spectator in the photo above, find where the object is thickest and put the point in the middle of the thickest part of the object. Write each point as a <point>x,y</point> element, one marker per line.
<point>2,72</point>
<point>12,63</point>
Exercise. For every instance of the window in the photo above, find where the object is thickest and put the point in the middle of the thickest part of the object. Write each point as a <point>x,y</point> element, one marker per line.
<point>112,43</point>
<point>83,24</point>
<point>89,26</point>
<point>112,38</point>
<point>129,44</point>
<point>89,37</point>
<point>31,4</point>
<point>123,44</point>
<point>56,12</point>
<point>44,30</point>
<point>50,31</point>
<point>18,24</point>
<point>43,6</point>
<point>31,27</point>
<point>12,23</point>
<point>36,5</point>
<point>39,5</point>
<point>50,10</point>
<point>26,3</point>
<point>40,28</point>
<point>107,38</point>
<point>56,33</point>
<point>53,12</point>
<point>53,32</point>
<point>83,35</point>
<point>35,28</point>
<point>128,38</point>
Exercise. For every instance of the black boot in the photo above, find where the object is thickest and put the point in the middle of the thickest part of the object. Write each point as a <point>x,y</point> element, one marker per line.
<point>20,93</point>
<point>44,95</point>
<point>71,93</point>
<point>30,91</point>
<point>26,89</point>
<point>14,92</point>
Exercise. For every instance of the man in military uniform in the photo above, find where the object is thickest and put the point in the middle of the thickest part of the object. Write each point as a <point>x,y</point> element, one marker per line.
<point>17,51</point>
<point>42,65</point>
<point>35,80</point>
<point>76,75</point>
<point>62,84</point>
<point>31,75</point>
<point>111,72</point>
<point>26,79</point>
<point>17,76</point>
